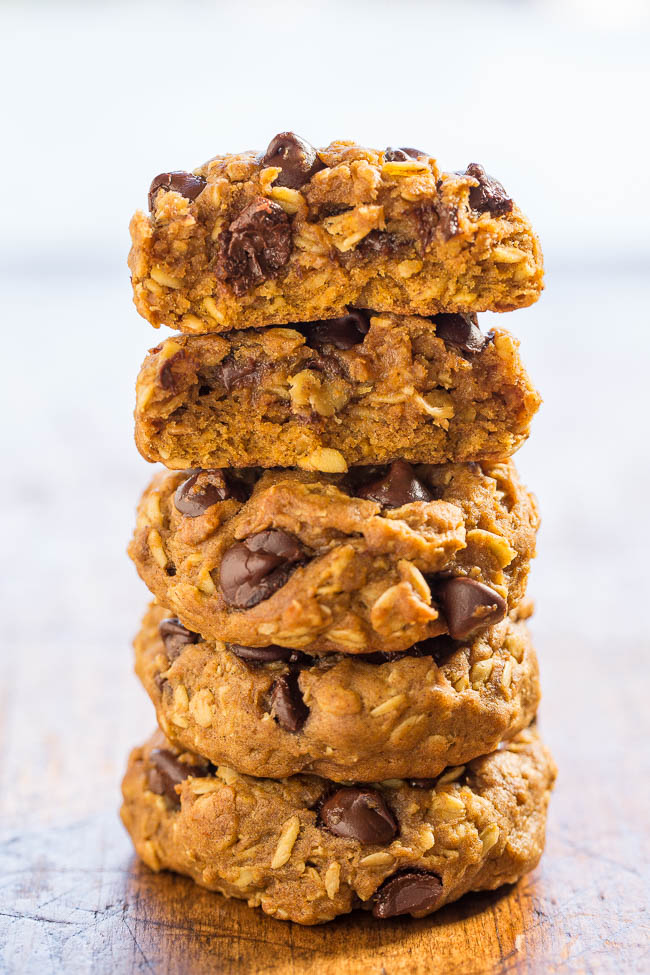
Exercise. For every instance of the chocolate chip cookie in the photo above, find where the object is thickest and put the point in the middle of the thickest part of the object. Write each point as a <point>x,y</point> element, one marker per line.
<point>359,389</point>
<point>274,712</point>
<point>375,560</point>
<point>295,234</point>
<point>305,849</point>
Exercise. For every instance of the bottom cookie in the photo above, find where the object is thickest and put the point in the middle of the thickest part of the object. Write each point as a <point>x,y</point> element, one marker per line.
<point>304,849</point>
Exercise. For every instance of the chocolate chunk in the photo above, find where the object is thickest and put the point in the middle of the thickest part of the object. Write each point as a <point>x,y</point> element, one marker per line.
<point>408,892</point>
<point>399,486</point>
<point>256,245</point>
<point>359,813</point>
<point>468,605</point>
<point>175,636</point>
<point>427,219</point>
<point>287,705</point>
<point>203,489</point>
<point>181,182</point>
<point>166,771</point>
<point>343,333</point>
<point>378,243</point>
<point>166,376</point>
<point>295,157</point>
<point>261,655</point>
<point>254,569</point>
<point>402,154</point>
<point>233,373</point>
<point>489,195</point>
<point>460,330</point>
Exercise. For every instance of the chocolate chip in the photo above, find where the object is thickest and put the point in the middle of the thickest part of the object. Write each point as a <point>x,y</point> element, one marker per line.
<point>489,195</point>
<point>254,569</point>
<point>360,814</point>
<point>165,772</point>
<point>261,655</point>
<point>203,489</point>
<point>232,373</point>
<point>460,330</point>
<point>295,157</point>
<point>378,243</point>
<point>408,892</point>
<point>468,605</point>
<point>427,219</point>
<point>287,705</point>
<point>399,486</point>
<point>343,333</point>
<point>181,182</point>
<point>166,375</point>
<point>402,154</point>
<point>256,245</point>
<point>175,636</point>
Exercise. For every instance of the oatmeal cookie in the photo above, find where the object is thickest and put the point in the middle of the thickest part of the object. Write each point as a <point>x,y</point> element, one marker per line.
<point>360,389</point>
<point>305,849</point>
<point>274,712</point>
<point>296,234</point>
<point>375,560</point>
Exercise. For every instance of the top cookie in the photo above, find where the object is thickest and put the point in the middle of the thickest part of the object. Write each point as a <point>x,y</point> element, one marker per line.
<point>297,234</point>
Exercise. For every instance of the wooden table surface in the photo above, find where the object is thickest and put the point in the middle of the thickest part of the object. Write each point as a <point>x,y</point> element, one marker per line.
<point>72,896</point>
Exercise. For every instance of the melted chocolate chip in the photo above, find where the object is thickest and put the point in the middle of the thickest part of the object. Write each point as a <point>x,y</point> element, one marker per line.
<point>359,813</point>
<point>181,182</point>
<point>343,333</point>
<point>175,636</point>
<point>378,243</point>
<point>408,892</point>
<point>203,489</point>
<point>427,220</point>
<point>232,373</point>
<point>489,195</point>
<point>287,705</point>
<point>402,154</point>
<point>166,376</point>
<point>166,771</point>
<point>254,569</point>
<point>295,157</point>
<point>461,330</point>
<point>399,486</point>
<point>468,605</point>
<point>261,655</point>
<point>256,245</point>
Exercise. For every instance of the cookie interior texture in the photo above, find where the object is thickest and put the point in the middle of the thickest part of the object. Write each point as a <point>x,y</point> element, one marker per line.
<point>362,389</point>
<point>234,245</point>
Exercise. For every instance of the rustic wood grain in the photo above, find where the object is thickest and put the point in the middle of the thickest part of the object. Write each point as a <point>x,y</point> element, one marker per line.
<point>72,896</point>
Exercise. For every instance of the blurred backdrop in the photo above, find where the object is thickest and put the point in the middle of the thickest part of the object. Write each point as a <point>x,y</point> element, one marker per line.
<point>99,97</point>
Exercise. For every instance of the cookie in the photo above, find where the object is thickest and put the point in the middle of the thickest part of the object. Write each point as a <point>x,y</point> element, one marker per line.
<point>295,234</point>
<point>275,712</point>
<point>305,849</point>
<point>360,389</point>
<point>372,561</point>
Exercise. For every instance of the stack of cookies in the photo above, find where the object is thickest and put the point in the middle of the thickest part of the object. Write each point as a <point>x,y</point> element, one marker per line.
<point>339,546</point>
